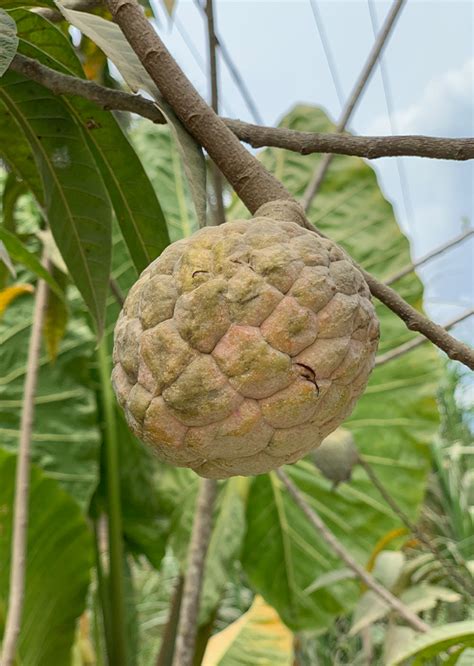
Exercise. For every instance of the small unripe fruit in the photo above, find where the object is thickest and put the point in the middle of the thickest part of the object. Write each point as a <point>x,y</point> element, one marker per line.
<point>336,456</point>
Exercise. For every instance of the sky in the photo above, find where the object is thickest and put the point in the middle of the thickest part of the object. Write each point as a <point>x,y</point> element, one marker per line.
<point>429,62</point>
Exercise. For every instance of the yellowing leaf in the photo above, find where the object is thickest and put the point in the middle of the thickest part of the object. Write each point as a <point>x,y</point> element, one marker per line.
<point>258,637</point>
<point>169,6</point>
<point>9,294</point>
<point>56,316</point>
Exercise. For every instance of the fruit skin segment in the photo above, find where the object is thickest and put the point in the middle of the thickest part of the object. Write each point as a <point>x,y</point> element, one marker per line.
<point>241,348</point>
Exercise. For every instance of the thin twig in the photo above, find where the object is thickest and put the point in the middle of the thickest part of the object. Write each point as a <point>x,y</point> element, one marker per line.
<point>201,534</point>
<point>22,484</point>
<point>395,604</point>
<point>117,292</point>
<point>416,321</point>
<point>258,136</point>
<point>216,173</point>
<point>402,176</point>
<point>168,638</point>
<point>434,253</point>
<point>416,342</point>
<point>462,584</point>
<point>235,74</point>
<point>327,51</point>
<point>364,77</point>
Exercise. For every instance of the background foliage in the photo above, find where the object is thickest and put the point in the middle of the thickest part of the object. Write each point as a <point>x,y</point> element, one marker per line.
<point>112,194</point>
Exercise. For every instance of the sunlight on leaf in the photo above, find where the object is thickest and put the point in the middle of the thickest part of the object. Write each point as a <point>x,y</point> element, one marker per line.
<point>257,637</point>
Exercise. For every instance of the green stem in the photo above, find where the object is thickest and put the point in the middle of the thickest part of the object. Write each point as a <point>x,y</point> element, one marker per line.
<point>116,581</point>
<point>102,603</point>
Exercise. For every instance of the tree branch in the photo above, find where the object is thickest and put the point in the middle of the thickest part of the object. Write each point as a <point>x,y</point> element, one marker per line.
<point>201,534</point>
<point>249,178</point>
<point>22,485</point>
<point>419,340</point>
<point>416,321</point>
<point>392,602</point>
<point>258,136</point>
<point>435,253</point>
<point>252,182</point>
<point>370,147</point>
<point>216,174</point>
<point>365,75</point>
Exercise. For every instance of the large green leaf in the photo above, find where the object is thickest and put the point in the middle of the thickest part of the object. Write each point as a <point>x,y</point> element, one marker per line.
<point>110,39</point>
<point>135,203</point>
<point>392,424</point>
<point>16,152</point>
<point>163,165</point>
<point>76,202</point>
<point>66,436</point>
<point>59,559</point>
<point>8,41</point>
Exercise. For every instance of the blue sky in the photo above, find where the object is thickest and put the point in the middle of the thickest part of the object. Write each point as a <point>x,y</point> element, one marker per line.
<point>430,64</point>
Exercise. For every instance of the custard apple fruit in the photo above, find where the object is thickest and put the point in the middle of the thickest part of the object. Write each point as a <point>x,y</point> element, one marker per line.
<point>242,347</point>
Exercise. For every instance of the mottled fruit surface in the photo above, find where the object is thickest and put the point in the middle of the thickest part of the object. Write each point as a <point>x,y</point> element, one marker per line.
<point>242,347</point>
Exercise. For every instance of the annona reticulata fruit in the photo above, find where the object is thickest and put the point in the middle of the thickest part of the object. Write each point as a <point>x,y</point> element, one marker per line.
<point>242,347</point>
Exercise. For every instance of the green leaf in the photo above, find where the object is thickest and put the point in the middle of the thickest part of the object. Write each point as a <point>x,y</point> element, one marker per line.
<point>65,441</point>
<point>164,167</point>
<point>16,152</point>
<point>59,559</point>
<point>77,205</point>
<point>20,253</point>
<point>110,39</point>
<point>135,203</point>
<point>425,646</point>
<point>8,41</point>
<point>393,423</point>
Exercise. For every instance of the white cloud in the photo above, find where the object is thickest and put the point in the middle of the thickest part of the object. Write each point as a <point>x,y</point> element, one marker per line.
<point>445,106</point>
